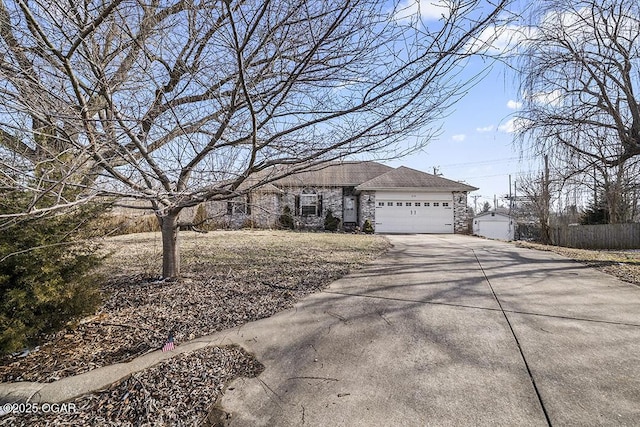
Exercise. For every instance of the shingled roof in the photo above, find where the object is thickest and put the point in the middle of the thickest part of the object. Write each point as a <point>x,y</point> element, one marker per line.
<point>343,174</point>
<point>405,178</point>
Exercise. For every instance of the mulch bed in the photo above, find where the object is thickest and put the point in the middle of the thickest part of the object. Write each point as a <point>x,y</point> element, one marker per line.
<point>141,312</point>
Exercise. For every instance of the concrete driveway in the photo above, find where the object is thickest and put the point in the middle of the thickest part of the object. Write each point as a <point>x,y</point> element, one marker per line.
<point>449,331</point>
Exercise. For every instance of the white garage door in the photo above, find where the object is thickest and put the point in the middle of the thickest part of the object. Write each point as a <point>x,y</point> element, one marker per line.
<point>494,229</point>
<point>414,213</point>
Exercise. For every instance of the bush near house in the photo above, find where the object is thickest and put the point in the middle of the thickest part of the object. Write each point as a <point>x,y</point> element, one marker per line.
<point>200,217</point>
<point>45,278</point>
<point>331,223</point>
<point>367,227</point>
<point>285,221</point>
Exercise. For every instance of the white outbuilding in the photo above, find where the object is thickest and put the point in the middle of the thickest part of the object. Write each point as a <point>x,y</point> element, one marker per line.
<point>494,225</point>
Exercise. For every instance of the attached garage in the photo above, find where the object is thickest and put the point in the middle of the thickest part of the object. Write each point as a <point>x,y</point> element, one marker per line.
<point>419,212</point>
<point>411,201</point>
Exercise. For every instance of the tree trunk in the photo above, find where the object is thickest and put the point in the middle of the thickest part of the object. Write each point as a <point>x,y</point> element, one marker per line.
<point>170,247</point>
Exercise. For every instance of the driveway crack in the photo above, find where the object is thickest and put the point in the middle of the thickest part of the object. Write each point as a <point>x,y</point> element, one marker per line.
<point>517,341</point>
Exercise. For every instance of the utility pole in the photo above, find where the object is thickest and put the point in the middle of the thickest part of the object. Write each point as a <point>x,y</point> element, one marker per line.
<point>475,204</point>
<point>510,198</point>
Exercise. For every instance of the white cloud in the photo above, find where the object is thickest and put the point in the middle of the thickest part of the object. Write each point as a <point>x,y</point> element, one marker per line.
<point>501,39</point>
<point>508,127</point>
<point>553,98</point>
<point>459,137</point>
<point>429,10</point>
<point>587,25</point>
<point>513,125</point>
<point>577,23</point>
<point>514,105</point>
<point>485,129</point>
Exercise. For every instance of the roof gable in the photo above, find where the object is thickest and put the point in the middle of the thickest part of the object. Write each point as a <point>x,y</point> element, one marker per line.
<point>404,177</point>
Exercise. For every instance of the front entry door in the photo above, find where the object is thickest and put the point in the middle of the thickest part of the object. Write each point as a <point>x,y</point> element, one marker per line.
<point>350,213</point>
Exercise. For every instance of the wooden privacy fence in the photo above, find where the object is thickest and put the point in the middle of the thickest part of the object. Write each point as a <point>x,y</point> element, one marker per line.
<point>605,236</point>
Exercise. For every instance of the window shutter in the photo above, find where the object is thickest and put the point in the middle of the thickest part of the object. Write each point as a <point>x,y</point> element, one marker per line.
<point>229,208</point>
<point>248,204</point>
<point>319,205</point>
<point>297,210</point>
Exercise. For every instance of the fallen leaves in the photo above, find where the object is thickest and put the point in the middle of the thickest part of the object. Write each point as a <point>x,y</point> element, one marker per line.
<point>233,278</point>
<point>177,392</point>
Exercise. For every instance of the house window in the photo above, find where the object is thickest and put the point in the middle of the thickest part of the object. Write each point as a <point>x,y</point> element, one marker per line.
<point>427,204</point>
<point>445,204</point>
<point>408,204</point>
<point>309,203</point>
<point>380,204</point>
<point>238,206</point>
<point>398,203</point>
<point>418,204</point>
<point>389,203</point>
<point>436,204</point>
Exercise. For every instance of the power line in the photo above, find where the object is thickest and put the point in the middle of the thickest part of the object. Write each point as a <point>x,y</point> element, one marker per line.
<point>493,161</point>
<point>519,174</point>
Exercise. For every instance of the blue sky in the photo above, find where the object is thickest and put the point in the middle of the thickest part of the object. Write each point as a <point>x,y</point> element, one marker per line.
<point>475,144</point>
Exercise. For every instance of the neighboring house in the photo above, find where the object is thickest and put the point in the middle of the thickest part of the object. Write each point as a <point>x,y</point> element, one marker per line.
<point>401,200</point>
<point>494,225</point>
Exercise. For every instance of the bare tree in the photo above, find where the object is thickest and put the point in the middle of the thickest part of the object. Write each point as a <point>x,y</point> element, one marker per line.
<point>611,186</point>
<point>536,190</point>
<point>176,102</point>
<point>580,74</point>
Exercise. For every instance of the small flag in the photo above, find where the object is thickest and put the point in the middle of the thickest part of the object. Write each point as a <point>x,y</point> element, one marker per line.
<point>169,345</point>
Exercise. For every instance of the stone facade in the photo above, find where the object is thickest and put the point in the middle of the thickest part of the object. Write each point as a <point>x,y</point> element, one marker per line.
<point>331,201</point>
<point>259,209</point>
<point>266,207</point>
<point>346,189</point>
<point>367,208</point>
<point>263,209</point>
<point>460,213</point>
